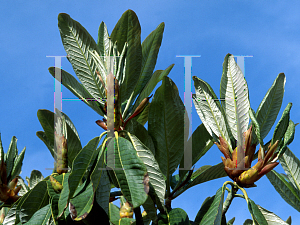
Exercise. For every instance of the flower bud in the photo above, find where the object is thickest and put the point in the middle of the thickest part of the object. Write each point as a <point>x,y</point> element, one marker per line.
<point>126,211</point>
<point>55,184</point>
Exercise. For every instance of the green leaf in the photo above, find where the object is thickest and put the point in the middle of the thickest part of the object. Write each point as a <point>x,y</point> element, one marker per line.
<point>42,135</point>
<point>291,165</point>
<point>137,129</point>
<point>18,164</point>
<point>78,43</point>
<point>288,137</point>
<point>41,216</point>
<point>35,177</point>
<point>150,49</point>
<point>129,170</point>
<point>78,90</point>
<point>74,144</point>
<point>54,207</point>
<point>200,142</point>
<point>285,189</point>
<point>282,125</point>
<point>269,107</point>
<point>114,213</point>
<point>289,220</point>
<point>235,97</point>
<point>126,221</point>
<point>210,111</point>
<point>204,208</point>
<point>142,118</point>
<point>128,30</point>
<point>256,127</point>
<point>230,222</point>
<point>151,210</point>
<point>271,218</point>
<point>174,181</point>
<point>11,216</point>
<point>248,222</point>
<point>176,216</point>
<point>63,197</point>
<point>83,202</point>
<point>156,77</point>
<point>101,183</point>
<point>156,178</point>
<point>103,191</point>
<point>81,163</point>
<point>166,126</point>
<point>24,188</point>
<point>103,39</point>
<point>34,200</point>
<point>11,155</point>
<point>46,119</point>
<point>256,213</point>
<point>214,214</point>
<point>204,174</point>
<point>1,150</point>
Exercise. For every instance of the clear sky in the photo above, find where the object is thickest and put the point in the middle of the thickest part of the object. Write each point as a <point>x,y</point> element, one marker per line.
<point>268,30</point>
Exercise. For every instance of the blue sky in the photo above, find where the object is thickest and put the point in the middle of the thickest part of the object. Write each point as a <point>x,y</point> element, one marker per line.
<point>268,30</point>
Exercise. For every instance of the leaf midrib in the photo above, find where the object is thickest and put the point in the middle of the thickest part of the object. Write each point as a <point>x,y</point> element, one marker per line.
<point>71,30</point>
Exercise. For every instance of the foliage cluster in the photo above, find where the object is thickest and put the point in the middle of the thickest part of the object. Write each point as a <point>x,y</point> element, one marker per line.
<point>117,77</point>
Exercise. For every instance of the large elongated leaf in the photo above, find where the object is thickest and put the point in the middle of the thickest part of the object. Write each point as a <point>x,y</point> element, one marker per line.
<point>204,208</point>
<point>42,135</point>
<point>83,203</point>
<point>137,129</point>
<point>34,200</point>
<point>130,171</point>
<point>150,49</point>
<point>156,178</point>
<point>11,215</point>
<point>166,126</point>
<point>101,183</point>
<point>10,155</point>
<point>114,213</point>
<point>209,110</point>
<point>288,137</point>
<point>176,216</point>
<point>78,43</point>
<point>269,107</point>
<point>54,208</point>
<point>128,30</point>
<point>285,189</point>
<point>24,188</point>
<point>271,218</point>
<point>35,177</point>
<point>63,197</point>
<point>18,164</point>
<point>204,174</point>
<point>103,39</point>
<point>282,125</point>
<point>256,213</point>
<point>199,143</point>
<point>78,90</point>
<point>291,165</point>
<point>81,163</point>
<point>157,76</point>
<point>102,192</point>
<point>235,98</point>
<point>214,214</point>
<point>41,216</point>
<point>46,119</point>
